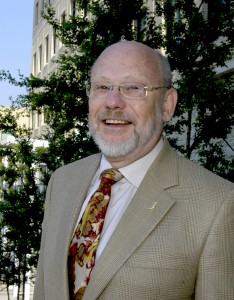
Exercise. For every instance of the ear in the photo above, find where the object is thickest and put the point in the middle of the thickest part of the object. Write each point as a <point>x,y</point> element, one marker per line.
<point>169,105</point>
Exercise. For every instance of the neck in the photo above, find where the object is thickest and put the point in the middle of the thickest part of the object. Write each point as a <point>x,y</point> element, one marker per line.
<point>120,162</point>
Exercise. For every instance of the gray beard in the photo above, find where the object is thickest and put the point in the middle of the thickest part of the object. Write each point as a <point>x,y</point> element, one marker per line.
<point>115,150</point>
<point>123,149</point>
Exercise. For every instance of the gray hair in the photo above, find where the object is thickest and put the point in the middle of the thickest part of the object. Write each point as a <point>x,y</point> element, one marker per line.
<point>165,69</point>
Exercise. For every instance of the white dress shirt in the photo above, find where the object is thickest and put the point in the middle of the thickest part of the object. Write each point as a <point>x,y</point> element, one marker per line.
<point>121,192</point>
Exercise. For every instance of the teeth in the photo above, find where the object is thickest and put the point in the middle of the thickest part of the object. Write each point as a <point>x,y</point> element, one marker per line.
<point>116,122</point>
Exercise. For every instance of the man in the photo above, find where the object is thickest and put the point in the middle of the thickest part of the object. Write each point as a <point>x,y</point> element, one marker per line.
<point>169,228</point>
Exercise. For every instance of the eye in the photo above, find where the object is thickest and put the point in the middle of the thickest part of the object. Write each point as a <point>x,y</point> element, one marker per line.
<point>101,86</point>
<point>133,86</point>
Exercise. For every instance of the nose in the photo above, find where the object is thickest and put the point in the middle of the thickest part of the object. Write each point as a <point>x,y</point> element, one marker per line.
<point>114,99</point>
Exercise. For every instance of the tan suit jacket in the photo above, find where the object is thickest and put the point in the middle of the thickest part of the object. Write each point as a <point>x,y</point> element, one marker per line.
<point>181,249</point>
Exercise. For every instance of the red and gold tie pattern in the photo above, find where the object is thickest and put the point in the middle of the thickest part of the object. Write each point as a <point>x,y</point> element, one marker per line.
<point>84,244</point>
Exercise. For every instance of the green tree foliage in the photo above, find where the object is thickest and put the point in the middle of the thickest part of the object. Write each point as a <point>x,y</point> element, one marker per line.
<point>21,205</point>
<point>197,41</point>
<point>62,95</point>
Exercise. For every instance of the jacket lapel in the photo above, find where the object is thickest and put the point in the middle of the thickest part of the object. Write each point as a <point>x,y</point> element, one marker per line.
<point>71,198</point>
<point>147,208</point>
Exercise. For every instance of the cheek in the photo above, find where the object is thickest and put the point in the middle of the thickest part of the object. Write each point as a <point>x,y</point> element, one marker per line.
<point>145,115</point>
<point>94,108</point>
<point>139,110</point>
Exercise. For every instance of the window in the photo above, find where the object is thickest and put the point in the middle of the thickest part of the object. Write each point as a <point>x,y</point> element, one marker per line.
<point>36,16</point>
<point>83,10</point>
<point>44,115</point>
<point>34,63</point>
<point>170,10</point>
<point>62,20</point>
<point>46,49</point>
<point>83,13</point>
<point>73,8</point>
<point>54,41</point>
<point>42,6</point>
<point>38,119</point>
<point>33,120</point>
<point>63,17</point>
<point>217,6</point>
<point>40,58</point>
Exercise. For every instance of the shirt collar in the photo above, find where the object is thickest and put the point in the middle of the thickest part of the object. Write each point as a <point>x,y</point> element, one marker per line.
<point>136,171</point>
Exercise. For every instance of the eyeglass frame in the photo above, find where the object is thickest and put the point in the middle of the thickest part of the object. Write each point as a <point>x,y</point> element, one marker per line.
<point>119,86</point>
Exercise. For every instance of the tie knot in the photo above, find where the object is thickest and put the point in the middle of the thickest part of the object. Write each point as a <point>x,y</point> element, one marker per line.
<point>111,176</point>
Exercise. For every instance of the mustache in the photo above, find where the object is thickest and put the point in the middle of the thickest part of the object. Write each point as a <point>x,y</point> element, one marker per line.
<point>115,115</point>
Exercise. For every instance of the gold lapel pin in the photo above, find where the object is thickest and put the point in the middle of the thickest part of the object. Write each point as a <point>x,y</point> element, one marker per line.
<point>153,206</point>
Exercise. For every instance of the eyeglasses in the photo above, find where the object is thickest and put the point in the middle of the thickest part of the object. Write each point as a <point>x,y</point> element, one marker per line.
<point>128,90</point>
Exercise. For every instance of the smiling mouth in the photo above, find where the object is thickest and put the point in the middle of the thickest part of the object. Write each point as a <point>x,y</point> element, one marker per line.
<point>116,122</point>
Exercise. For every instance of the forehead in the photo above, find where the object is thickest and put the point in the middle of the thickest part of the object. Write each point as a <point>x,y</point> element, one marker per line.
<point>127,62</point>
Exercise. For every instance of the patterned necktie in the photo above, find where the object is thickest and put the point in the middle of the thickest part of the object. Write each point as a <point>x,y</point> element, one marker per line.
<point>84,244</point>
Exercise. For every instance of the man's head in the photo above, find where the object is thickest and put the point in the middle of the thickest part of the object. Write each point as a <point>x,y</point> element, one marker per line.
<point>125,115</point>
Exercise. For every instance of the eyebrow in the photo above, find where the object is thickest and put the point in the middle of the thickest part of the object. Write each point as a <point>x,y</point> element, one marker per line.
<point>128,78</point>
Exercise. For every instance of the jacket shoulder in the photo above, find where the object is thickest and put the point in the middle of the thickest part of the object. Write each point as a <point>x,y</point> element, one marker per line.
<point>81,164</point>
<point>172,168</point>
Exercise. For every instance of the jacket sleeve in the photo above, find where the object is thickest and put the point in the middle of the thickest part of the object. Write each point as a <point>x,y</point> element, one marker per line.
<point>216,269</point>
<point>39,290</point>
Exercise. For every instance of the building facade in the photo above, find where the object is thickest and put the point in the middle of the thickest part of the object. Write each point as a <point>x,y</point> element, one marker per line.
<point>46,47</point>
<point>22,119</point>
